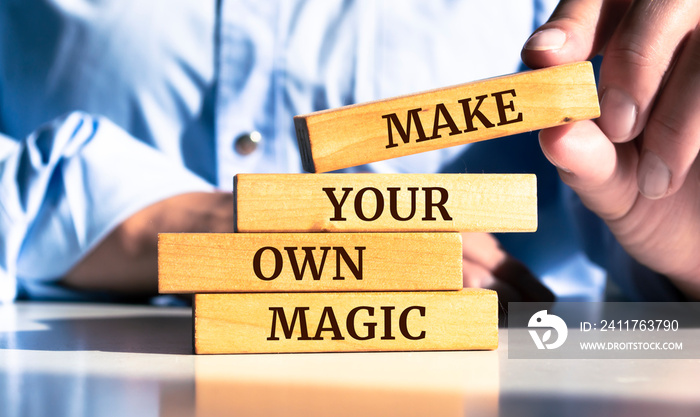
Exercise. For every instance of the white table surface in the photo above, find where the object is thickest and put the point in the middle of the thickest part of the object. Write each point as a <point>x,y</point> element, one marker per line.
<point>114,360</point>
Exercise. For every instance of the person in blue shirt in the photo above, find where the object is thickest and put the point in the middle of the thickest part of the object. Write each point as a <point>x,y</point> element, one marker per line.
<point>122,119</point>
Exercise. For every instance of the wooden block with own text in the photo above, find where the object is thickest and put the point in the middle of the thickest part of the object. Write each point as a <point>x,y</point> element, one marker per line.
<point>363,133</point>
<point>385,202</point>
<point>345,322</point>
<point>305,262</point>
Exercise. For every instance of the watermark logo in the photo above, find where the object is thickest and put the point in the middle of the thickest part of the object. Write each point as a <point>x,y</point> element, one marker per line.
<point>543,320</point>
<point>603,330</point>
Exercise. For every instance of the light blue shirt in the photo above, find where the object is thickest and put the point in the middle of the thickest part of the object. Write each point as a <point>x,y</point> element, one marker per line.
<point>107,107</point>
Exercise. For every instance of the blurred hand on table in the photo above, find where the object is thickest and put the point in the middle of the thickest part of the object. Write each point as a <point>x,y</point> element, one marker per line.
<point>486,265</point>
<point>126,261</point>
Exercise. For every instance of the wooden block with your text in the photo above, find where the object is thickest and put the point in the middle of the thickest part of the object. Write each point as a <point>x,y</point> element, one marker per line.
<point>305,262</point>
<point>344,322</point>
<point>363,133</point>
<point>385,202</point>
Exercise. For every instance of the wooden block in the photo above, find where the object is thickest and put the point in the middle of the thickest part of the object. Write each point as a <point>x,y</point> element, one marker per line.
<point>346,322</point>
<point>385,202</point>
<point>304,262</point>
<point>363,133</point>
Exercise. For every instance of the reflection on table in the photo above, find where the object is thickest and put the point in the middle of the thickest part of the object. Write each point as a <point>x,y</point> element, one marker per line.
<point>99,360</point>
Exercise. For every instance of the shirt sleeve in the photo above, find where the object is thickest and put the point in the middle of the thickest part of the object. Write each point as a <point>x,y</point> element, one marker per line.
<point>65,187</point>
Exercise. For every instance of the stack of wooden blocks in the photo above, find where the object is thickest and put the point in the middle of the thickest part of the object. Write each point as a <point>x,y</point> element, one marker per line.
<point>385,273</point>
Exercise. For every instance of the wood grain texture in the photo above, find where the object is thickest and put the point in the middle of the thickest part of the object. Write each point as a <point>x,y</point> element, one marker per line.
<point>277,262</point>
<point>345,322</point>
<point>299,203</point>
<point>359,134</point>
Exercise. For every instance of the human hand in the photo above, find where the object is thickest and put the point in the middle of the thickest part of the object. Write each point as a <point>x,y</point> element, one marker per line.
<point>637,166</point>
<point>126,260</point>
<point>486,265</point>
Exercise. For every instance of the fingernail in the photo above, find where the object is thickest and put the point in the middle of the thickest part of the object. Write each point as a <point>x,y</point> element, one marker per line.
<point>618,114</point>
<point>653,175</point>
<point>546,40</point>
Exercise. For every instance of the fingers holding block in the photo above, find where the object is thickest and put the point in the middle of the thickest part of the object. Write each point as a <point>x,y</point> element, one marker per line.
<point>345,322</point>
<point>385,202</point>
<point>376,131</point>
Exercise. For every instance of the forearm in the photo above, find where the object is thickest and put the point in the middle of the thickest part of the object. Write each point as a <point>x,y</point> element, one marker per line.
<point>66,190</point>
<point>126,261</point>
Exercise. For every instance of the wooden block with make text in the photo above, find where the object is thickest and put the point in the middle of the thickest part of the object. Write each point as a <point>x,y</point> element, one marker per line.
<point>306,262</point>
<point>345,322</point>
<point>385,202</point>
<point>363,133</point>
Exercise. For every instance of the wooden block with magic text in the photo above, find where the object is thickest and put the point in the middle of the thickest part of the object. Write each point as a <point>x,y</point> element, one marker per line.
<point>345,322</point>
<point>385,202</point>
<point>306,262</point>
<point>385,129</point>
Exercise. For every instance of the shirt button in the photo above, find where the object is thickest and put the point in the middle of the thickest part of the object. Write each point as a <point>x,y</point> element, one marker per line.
<point>247,143</point>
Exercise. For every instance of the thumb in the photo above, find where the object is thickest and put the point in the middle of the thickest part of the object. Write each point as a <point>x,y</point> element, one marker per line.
<point>577,30</point>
